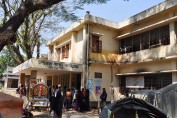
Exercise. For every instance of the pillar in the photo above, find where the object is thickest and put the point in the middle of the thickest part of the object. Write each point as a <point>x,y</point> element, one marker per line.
<point>73,47</point>
<point>22,78</point>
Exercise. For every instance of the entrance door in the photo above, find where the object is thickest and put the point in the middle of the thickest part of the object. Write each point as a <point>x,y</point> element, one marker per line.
<point>78,81</point>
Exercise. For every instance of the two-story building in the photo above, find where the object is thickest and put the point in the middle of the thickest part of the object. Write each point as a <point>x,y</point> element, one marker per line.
<point>138,53</point>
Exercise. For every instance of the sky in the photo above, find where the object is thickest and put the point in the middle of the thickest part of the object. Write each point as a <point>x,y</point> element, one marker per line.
<point>114,10</point>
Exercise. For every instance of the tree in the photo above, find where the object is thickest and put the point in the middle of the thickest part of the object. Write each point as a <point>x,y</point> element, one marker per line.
<point>5,60</point>
<point>27,14</point>
<point>27,7</point>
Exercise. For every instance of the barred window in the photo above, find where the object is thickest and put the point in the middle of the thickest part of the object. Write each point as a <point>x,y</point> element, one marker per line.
<point>98,75</point>
<point>136,43</point>
<point>164,35</point>
<point>96,44</point>
<point>65,51</point>
<point>149,39</point>
<point>154,37</point>
<point>145,40</point>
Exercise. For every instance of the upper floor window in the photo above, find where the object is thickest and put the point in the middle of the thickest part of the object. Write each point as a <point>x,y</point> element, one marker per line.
<point>146,40</point>
<point>96,44</point>
<point>98,75</point>
<point>64,51</point>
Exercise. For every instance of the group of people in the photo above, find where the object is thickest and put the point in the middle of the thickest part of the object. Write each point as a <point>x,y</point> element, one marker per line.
<point>62,99</point>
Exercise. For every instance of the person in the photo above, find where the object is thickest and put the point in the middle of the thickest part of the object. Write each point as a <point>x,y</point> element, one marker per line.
<point>103,98</point>
<point>75,100</point>
<point>83,103</point>
<point>68,99</point>
<point>22,91</point>
<point>51,95</point>
<point>58,103</point>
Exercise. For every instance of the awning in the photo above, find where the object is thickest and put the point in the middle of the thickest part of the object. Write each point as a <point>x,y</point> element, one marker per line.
<point>143,73</point>
<point>50,65</point>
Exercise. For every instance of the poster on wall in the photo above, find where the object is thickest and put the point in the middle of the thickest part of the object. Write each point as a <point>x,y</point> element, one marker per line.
<point>90,85</point>
<point>98,90</point>
<point>135,82</point>
<point>97,82</point>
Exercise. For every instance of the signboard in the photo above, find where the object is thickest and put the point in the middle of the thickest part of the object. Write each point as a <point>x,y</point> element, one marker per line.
<point>97,82</point>
<point>135,82</point>
<point>90,85</point>
<point>98,90</point>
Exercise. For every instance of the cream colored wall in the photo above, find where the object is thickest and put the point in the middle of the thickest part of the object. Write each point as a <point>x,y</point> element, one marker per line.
<point>147,67</point>
<point>59,45</point>
<point>108,39</point>
<point>79,51</point>
<point>106,79</point>
<point>109,44</point>
<point>153,53</point>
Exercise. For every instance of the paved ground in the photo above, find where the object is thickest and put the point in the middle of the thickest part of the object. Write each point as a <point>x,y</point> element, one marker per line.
<point>69,114</point>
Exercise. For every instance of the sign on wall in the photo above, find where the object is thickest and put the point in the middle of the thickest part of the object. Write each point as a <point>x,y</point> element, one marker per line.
<point>135,82</point>
<point>97,82</point>
<point>90,85</point>
<point>98,90</point>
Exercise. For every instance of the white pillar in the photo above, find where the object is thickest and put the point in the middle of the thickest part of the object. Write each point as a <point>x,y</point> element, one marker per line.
<point>73,47</point>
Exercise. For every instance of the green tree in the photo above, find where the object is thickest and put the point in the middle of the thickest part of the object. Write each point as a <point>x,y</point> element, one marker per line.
<point>5,60</point>
<point>25,20</point>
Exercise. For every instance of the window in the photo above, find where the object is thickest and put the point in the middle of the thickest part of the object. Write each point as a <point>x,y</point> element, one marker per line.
<point>149,39</point>
<point>151,81</point>
<point>164,35</point>
<point>154,38</point>
<point>98,75</point>
<point>96,44</point>
<point>65,51</point>
<point>145,41</point>
<point>136,43</point>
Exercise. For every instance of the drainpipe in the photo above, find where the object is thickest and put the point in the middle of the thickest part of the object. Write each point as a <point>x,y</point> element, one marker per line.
<point>88,50</point>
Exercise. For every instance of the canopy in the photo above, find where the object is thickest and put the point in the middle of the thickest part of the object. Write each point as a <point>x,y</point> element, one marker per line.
<point>167,100</point>
<point>10,106</point>
<point>131,108</point>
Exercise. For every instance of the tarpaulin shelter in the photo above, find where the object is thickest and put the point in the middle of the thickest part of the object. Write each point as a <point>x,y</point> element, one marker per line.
<point>131,108</point>
<point>10,106</point>
<point>167,100</point>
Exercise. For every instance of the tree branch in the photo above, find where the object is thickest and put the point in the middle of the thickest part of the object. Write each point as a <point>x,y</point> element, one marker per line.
<point>26,8</point>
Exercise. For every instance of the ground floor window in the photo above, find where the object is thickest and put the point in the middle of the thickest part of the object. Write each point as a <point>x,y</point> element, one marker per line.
<point>151,81</point>
<point>12,83</point>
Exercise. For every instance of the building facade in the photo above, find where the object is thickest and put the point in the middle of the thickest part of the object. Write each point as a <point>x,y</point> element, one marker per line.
<point>10,80</point>
<point>138,53</point>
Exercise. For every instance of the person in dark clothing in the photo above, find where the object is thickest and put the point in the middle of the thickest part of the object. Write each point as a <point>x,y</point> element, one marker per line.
<point>103,98</point>
<point>51,95</point>
<point>83,102</point>
<point>58,104</point>
<point>87,100</point>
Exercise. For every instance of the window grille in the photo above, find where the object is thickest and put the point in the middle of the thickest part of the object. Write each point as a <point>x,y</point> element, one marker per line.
<point>149,39</point>
<point>98,75</point>
<point>96,44</point>
<point>136,43</point>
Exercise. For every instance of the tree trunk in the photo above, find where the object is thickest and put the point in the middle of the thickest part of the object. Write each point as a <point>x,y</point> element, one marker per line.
<point>7,32</point>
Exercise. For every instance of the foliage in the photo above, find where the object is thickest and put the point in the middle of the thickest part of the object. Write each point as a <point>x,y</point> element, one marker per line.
<point>38,18</point>
<point>5,60</point>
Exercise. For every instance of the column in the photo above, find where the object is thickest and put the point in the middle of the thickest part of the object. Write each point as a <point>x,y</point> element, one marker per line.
<point>22,78</point>
<point>73,54</point>
<point>172,38</point>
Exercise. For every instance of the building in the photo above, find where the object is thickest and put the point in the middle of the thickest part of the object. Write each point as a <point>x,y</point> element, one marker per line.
<point>10,79</point>
<point>138,53</point>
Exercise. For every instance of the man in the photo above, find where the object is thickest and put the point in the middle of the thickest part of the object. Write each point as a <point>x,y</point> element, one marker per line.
<point>58,103</point>
<point>103,98</point>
